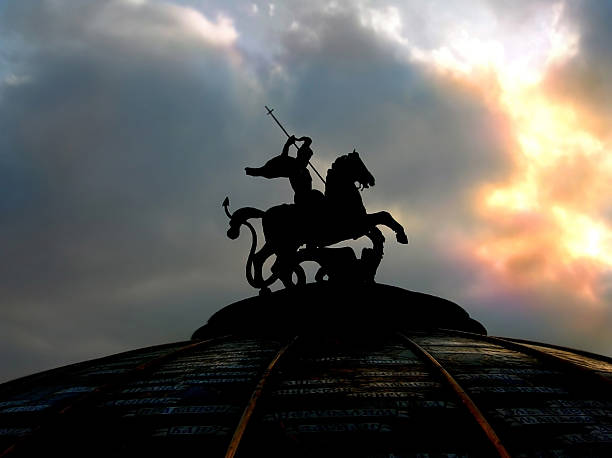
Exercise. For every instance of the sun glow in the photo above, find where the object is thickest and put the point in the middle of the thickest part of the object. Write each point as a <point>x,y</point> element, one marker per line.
<point>545,223</point>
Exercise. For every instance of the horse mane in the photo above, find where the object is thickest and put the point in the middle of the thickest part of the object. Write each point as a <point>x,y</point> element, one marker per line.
<point>336,169</point>
<point>339,162</point>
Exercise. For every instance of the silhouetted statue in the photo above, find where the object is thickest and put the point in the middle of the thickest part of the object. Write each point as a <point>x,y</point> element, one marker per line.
<point>315,220</point>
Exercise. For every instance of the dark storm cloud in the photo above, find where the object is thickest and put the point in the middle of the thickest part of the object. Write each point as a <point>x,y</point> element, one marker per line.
<point>348,84</point>
<point>113,158</point>
<point>426,142</point>
<point>584,81</point>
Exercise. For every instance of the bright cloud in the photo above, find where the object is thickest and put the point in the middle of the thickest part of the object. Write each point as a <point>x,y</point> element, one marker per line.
<point>545,223</point>
<point>156,23</point>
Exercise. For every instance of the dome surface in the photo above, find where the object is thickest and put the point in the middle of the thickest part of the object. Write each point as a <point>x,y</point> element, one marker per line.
<point>319,371</point>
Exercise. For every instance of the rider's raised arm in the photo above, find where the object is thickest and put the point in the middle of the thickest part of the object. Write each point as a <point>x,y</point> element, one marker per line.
<point>290,141</point>
<point>307,141</point>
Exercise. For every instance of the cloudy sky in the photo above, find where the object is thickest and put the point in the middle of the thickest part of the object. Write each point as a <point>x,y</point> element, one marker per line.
<point>124,124</point>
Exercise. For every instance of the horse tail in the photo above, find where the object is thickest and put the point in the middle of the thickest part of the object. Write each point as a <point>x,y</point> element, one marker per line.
<point>255,260</point>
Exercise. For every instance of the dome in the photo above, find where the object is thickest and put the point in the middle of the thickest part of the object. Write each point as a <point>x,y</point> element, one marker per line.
<point>320,371</point>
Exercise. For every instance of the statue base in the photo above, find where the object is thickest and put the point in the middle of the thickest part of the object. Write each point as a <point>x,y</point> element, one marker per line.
<point>328,308</point>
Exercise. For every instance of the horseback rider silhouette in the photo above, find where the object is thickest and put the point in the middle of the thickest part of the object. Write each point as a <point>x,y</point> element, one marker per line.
<point>340,217</point>
<point>307,199</point>
<point>294,168</point>
<point>315,220</point>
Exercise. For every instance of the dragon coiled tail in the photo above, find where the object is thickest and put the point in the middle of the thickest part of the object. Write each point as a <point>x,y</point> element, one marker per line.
<point>255,260</point>
<point>257,280</point>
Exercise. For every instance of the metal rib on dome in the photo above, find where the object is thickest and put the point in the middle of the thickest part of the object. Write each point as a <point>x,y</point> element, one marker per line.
<point>349,386</point>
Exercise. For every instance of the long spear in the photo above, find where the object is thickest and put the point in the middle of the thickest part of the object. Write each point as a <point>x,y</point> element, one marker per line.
<point>270,110</point>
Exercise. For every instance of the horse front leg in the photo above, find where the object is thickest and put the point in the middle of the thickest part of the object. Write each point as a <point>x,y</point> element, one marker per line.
<point>384,218</point>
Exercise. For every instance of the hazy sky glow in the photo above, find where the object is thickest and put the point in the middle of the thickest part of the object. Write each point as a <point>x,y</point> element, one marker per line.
<point>126,122</point>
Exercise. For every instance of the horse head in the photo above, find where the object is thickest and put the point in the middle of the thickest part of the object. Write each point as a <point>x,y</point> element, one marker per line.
<point>347,170</point>
<point>359,171</point>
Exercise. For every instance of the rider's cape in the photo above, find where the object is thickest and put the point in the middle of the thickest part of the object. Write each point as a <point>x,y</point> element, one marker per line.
<point>282,166</point>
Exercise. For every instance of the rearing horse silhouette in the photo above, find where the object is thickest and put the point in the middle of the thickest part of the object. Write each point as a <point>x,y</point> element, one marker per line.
<point>339,216</point>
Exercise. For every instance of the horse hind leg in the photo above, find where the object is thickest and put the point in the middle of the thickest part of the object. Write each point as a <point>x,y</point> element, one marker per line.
<point>286,265</point>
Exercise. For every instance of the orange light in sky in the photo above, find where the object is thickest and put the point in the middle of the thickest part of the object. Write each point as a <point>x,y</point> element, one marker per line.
<point>545,223</point>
